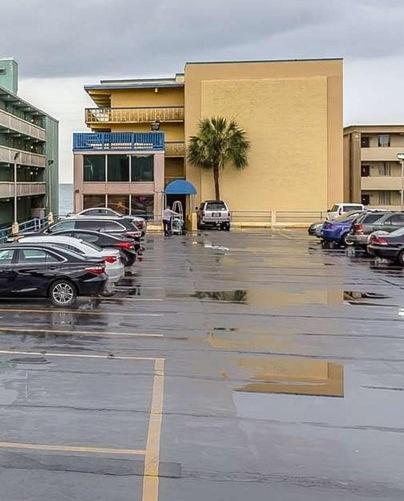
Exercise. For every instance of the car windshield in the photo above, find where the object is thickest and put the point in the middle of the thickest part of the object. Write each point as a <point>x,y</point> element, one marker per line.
<point>215,206</point>
<point>398,232</point>
<point>346,216</point>
<point>349,208</point>
<point>334,208</point>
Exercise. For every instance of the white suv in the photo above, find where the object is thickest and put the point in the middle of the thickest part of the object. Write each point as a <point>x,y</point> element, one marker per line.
<point>339,209</point>
<point>213,213</point>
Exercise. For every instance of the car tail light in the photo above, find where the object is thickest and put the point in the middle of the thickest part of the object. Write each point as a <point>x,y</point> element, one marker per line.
<point>96,270</point>
<point>110,259</point>
<point>378,240</point>
<point>358,229</point>
<point>124,245</point>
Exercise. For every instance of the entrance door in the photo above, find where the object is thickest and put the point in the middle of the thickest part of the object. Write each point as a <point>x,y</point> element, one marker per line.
<point>182,198</point>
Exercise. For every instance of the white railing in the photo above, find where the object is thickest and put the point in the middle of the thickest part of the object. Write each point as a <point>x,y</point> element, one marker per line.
<point>22,126</point>
<point>272,218</point>
<point>7,155</point>
<point>23,189</point>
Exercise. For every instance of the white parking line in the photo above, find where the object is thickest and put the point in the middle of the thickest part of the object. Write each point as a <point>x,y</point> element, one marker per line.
<point>29,330</point>
<point>74,355</point>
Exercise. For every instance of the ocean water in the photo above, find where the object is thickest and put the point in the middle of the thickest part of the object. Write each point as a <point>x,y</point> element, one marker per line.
<point>65,199</point>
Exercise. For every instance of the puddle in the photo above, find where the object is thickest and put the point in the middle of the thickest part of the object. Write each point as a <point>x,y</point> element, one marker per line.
<point>236,296</point>
<point>29,360</point>
<point>292,375</point>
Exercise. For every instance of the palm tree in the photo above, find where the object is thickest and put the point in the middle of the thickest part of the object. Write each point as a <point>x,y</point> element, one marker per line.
<point>217,143</point>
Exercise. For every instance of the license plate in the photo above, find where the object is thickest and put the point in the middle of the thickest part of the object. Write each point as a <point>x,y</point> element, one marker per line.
<point>216,214</point>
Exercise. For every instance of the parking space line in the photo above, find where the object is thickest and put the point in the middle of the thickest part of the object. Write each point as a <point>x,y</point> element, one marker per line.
<point>73,355</point>
<point>152,457</point>
<point>29,330</point>
<point>72,448</point>
<point>80,312</point>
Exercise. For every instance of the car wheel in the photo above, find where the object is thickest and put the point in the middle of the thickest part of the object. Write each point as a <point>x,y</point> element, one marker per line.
<point>130,260</point>
<point>62,293</point>
<point>400,258</point>
<point>344,240</point>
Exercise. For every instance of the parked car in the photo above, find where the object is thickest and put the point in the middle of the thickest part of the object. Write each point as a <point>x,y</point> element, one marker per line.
<point>113,265</point>
<point>112,226</point>
<point>314,228</point>
<point>140,222</point>
<point>33,270</point>
<point>213,213</point>
<point>341,208</point>
<point>388,245</point>
<point>364,225</point>
<point>127,246</point>
<point>336,231</point>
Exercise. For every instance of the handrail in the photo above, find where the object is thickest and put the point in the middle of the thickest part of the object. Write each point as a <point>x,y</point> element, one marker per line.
<point>134,114</point>
<point>140,141</point>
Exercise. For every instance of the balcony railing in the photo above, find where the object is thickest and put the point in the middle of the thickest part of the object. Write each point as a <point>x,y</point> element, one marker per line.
<point>137,141</point>
<point>7,155</point>
<point>16,124</point>
<point>174,149</point>
<point>137,114</point>
<point>23,189</point>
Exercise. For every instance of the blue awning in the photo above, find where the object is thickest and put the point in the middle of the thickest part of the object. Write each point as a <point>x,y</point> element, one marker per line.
<point>180,187</point>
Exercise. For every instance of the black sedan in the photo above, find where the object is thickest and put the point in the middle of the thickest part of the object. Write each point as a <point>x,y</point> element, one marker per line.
<point>33,270</point>
<point>127,246</point>
<point>388,245</point>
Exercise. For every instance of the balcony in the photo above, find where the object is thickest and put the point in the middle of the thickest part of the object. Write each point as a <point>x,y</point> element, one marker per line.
<point>380,154</point>
<point>383,183</point>
<point>11,124</point>
<point>118,141</point>
<point>25,158</point>
<point>23,189</point>
<point>135,115</point>
<point>174,149</point>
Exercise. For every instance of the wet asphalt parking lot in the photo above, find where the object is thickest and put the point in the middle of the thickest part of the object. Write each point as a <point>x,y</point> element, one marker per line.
<point>229,366</point>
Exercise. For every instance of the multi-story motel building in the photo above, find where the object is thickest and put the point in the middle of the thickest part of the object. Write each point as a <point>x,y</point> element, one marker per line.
<point>371,164</point>
<point>28,142</point>
<point>290,110</point>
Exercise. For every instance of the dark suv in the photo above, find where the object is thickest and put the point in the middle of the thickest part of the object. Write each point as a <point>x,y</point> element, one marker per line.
<point>115,226</point>
<point>374,221</point>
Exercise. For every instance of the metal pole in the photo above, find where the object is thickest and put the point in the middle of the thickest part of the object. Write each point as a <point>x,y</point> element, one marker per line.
<point>15,223</point>
<point>402,184</point>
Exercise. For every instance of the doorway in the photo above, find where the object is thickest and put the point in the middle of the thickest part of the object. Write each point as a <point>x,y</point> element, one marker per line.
<point>182,198</point>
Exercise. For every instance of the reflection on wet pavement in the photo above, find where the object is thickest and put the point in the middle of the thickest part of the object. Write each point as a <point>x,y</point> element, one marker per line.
<point>293,376</point>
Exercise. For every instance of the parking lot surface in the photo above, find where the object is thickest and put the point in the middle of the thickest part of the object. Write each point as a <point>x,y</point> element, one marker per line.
<point>228,366</point>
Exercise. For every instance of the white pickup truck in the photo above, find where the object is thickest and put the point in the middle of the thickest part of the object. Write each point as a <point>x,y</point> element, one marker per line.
<point>338,209</point>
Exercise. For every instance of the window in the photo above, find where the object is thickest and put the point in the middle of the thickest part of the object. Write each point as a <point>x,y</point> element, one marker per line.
<point>94,168</point>
<point>384,140</point>
<point>365,140</point>
<point>397,219</point>
<point>89,238</point>
<point>365,170</point>
<point>215,206</point>
<point>112,226</point>
<point>349,208</point>
<point>142,168</point>
<point>371,218</point>
<point>119,203</point>
<point>90,201</point>
<point>385,169</point>
<point>36,256</point>
<point>88,225</point>
<point>143,205</point>
<point>62,226</point>
<point>118,168</point>
<point>385,197</point>
<point>6,256</point>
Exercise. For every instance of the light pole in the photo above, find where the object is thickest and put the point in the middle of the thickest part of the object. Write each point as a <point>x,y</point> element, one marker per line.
<point>400,158</point>
<point>15,228</point>
<point>49,192</point>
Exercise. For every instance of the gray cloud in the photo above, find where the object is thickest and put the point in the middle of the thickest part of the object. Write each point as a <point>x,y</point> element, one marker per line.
<point>57,38</point>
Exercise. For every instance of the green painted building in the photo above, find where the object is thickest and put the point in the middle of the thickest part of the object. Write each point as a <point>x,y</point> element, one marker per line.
<point>29,140</point>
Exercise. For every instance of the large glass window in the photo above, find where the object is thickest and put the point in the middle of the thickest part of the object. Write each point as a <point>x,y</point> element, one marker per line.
<point>142,168</point>
<point>118,168</point>
<point>120,203</point>
<point>90,201</point>
<point>384,140</point>
<point>94,168</point>
<point>143,205</point>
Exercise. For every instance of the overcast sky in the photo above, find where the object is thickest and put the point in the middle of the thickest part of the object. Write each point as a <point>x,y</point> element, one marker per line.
<point>62,44</point>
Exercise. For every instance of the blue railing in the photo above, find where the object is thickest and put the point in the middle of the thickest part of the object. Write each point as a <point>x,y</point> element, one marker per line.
<point>31,226</point>
<point>137,141</point>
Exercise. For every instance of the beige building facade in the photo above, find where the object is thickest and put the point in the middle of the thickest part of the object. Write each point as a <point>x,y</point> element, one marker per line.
<point>371,165</point>
<point>291,112</point>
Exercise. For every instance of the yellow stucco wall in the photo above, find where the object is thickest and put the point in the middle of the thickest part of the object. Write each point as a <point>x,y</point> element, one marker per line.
<point>147,97</point>
<point>292,113</point>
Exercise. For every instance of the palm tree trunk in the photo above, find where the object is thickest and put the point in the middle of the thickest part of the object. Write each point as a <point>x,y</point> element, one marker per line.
<point>216,179</point>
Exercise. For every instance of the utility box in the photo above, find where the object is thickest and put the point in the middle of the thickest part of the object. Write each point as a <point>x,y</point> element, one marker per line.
<point>9,74</point>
